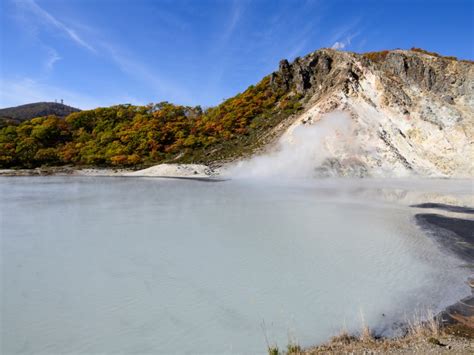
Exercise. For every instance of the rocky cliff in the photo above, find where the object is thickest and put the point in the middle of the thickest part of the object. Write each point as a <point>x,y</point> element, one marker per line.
<point>411,112</point>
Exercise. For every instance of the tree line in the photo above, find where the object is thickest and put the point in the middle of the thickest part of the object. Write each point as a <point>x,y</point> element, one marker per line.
<point>128,135</point>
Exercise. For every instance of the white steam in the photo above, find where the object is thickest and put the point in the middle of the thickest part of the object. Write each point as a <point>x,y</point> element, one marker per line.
<point>301,150</point>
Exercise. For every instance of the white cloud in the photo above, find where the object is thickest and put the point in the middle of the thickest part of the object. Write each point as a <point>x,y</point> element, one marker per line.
<point>53,57</point>
<point>338,45</point>
<point>46,17</point>
<point>345,42</point>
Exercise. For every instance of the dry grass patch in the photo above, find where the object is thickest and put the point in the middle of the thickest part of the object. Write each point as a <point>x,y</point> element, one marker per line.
<point>424,325</point>
<point>423,333</point>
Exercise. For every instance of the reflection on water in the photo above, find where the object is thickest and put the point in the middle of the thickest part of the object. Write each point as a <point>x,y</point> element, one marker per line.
<point>108,265</point>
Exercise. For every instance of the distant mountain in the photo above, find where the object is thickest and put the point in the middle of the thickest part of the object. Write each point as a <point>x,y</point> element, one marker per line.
<point>26,112</point>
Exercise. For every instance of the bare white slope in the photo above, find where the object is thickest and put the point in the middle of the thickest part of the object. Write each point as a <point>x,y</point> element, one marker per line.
<point>392,131</point>
<point>175,170</point>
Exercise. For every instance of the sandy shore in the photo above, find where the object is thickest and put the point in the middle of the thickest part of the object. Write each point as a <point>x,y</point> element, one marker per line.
<point>198,171</point>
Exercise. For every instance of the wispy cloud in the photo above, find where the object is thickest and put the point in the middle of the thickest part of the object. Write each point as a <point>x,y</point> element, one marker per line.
<point>338,45</point>
<point>45,17</point>
<point>163,88</point>
<point>343,35</point>
<point>345,42</point>
<point>302,38</point>
<point>221,45</point>
<point>235,15</point>
<point>24,90</point>
<point>52,58</point>
<point>295,51</point>
<point>171,19</point>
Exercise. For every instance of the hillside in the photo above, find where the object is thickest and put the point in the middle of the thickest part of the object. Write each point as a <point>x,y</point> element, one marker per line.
<point>127,135</point>
<point>408,112</point>
<point>26,112</point>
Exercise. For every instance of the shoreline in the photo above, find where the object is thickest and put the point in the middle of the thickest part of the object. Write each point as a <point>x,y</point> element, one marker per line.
<point>200,170</point>
<point>455,236</point>
<point>188,171</point>
<point>452,329</point>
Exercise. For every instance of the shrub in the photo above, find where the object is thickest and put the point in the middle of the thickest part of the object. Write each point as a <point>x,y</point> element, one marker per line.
<point>377,56</point>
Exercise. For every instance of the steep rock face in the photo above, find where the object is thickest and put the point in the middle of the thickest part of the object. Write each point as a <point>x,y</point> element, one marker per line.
<point>411,113</point>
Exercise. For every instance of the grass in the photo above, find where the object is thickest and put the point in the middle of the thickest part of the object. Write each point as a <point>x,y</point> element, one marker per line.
<point>424,324</point>
<point>291,349</point>
<point>366,333</point>
<point>343,338</point>
<point>423,333</point>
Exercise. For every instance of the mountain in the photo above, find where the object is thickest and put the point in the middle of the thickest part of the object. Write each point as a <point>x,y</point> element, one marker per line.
<point>25,112</point>
<point>388,113</point>
<point>410,111</point>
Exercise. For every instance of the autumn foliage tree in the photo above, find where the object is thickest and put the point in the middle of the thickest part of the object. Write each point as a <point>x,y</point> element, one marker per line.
<point>127,135</point>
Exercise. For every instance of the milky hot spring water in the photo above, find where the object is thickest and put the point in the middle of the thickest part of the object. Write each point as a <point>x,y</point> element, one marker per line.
<point>147,265</point>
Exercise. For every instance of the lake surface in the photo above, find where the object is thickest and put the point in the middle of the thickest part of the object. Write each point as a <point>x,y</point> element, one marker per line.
<point>147,265</point>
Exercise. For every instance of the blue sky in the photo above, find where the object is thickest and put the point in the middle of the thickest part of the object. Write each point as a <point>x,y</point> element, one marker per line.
<point>103,52</point>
